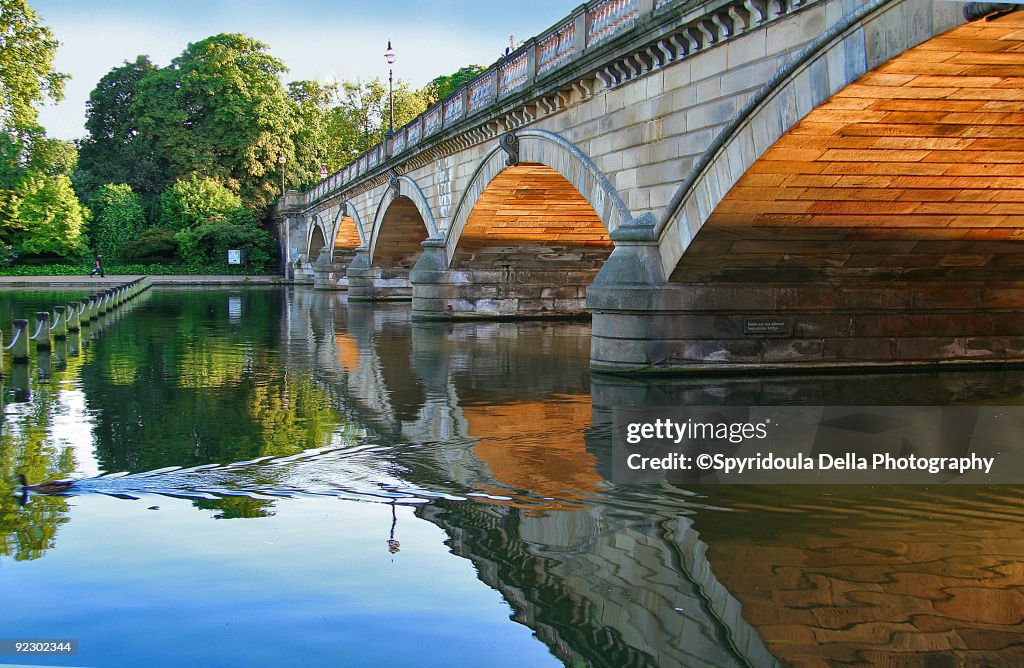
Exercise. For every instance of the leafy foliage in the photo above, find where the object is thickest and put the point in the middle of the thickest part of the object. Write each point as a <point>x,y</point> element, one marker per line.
<point>208,244</point>
<point>128,268</point>
<point>117,218</point>
<point>220,110</point>
<point>196,201</point>
<point>361,117</point>
<point>51,216</point>
<point>315,141</point>
<point>156,242</point>
<point>114,151</point>
<point>27,77</point>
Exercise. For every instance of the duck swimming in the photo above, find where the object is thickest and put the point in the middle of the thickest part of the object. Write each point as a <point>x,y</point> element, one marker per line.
<point>48,487</point>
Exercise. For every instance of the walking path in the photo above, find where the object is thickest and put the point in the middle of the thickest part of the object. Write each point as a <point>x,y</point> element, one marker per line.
<point>111,280</point>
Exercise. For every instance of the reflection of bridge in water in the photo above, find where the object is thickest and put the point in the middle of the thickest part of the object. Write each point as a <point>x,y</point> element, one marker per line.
<point>613,575</point>
<point>600,583</point>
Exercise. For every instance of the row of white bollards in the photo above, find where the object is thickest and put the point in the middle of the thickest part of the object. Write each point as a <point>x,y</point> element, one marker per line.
<point>70,318</point>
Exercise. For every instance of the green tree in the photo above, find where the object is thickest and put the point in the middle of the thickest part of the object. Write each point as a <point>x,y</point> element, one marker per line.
<point>27,77</point>
<point>315,141</point>
<point>117,218</point>
<point>28,160</point>
<point>196,201</point>
<point>219,109</point>
<point>50,215</point>
<point>361,117</point>
<point>114,151</point>
<point>446,84</point>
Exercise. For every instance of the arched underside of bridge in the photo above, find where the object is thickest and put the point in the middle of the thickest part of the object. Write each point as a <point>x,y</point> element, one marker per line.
<point>329,268</point>
<point>317,242</point>
<point>382,272</point>
<point>346,239</point>
<point>886,227</point>
<point>530,247</point>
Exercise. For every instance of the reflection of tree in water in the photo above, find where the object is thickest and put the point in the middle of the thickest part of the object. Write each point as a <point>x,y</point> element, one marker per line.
<point>239,507</point>
<point>27,447</point>
<point>202,391</point>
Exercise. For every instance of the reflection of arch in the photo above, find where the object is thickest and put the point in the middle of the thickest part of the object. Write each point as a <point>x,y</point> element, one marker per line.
<point>825,66</point>
<point>410,191</point>
<point>317,239</point>
<point>544,148</point>
<point>530,210</point>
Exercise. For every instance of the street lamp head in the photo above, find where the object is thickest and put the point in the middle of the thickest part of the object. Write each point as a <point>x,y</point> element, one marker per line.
<point>389,55</point>
<point>281,159</point>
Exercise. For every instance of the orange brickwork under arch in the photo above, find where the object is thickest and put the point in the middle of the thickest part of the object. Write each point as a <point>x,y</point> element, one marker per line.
<point>348,236</point>
<point>914,170</point>
<point>532,205</point>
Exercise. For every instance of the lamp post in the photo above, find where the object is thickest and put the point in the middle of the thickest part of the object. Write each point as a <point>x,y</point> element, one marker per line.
<point>389,56</point>
<point>281,160</point>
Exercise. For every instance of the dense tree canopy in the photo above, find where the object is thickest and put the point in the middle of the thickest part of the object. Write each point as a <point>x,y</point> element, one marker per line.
<point>360,118</point>
<point>220,110</point>
<point>114,151</point>
<point>118,217</point>
<point>316,142</point>
<point>39,213</point>
<point>195,201</point>
<point>184,155</point>
<point>50,215</point>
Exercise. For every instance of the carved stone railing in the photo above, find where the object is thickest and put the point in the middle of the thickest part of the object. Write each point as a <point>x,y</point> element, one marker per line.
<point>556,48</point>
<point>665,31</point>
<point>432,121</point>
<point>483,90</point>
<point>513,72</point>
<point>608,17</point>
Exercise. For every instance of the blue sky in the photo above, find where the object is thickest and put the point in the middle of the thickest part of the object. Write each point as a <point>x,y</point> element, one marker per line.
<point>315,39</point>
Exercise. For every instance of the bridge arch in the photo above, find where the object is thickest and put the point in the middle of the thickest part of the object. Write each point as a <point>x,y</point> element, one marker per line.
<point>381,270</point>
<point>830,62</point>
<point>348,228</point>
<point>402,188</point>
<point>317,239</point>
<point>539,147</point>
<point>883,227</point>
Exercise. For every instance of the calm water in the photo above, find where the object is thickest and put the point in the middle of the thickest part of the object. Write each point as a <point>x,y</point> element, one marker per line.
<point>388,492</point>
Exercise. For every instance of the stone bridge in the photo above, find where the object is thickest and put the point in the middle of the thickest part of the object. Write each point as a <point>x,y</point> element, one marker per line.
<point>736,184</point>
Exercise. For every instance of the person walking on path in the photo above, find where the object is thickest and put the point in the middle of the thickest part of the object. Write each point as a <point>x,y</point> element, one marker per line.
<point>98,269</point>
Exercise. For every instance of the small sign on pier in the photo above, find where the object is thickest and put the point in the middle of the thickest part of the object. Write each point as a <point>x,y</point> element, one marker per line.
<point>766,326</point>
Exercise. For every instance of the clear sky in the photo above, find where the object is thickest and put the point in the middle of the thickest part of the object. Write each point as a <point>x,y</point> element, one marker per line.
<point>316,39</point>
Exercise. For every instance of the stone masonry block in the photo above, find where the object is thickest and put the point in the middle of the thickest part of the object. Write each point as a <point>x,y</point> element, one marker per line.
<point>930,348</point>
<point>793,32</point>
<point>873,349</point>
<point>793,350</point>
<point>674,124</point>
<point>677,75</point>
<point>748,77</point>
<point>749,47</point>
<point>709,63</point>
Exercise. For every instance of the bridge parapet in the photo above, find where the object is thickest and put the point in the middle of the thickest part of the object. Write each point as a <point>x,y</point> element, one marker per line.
<point>608,42</point>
